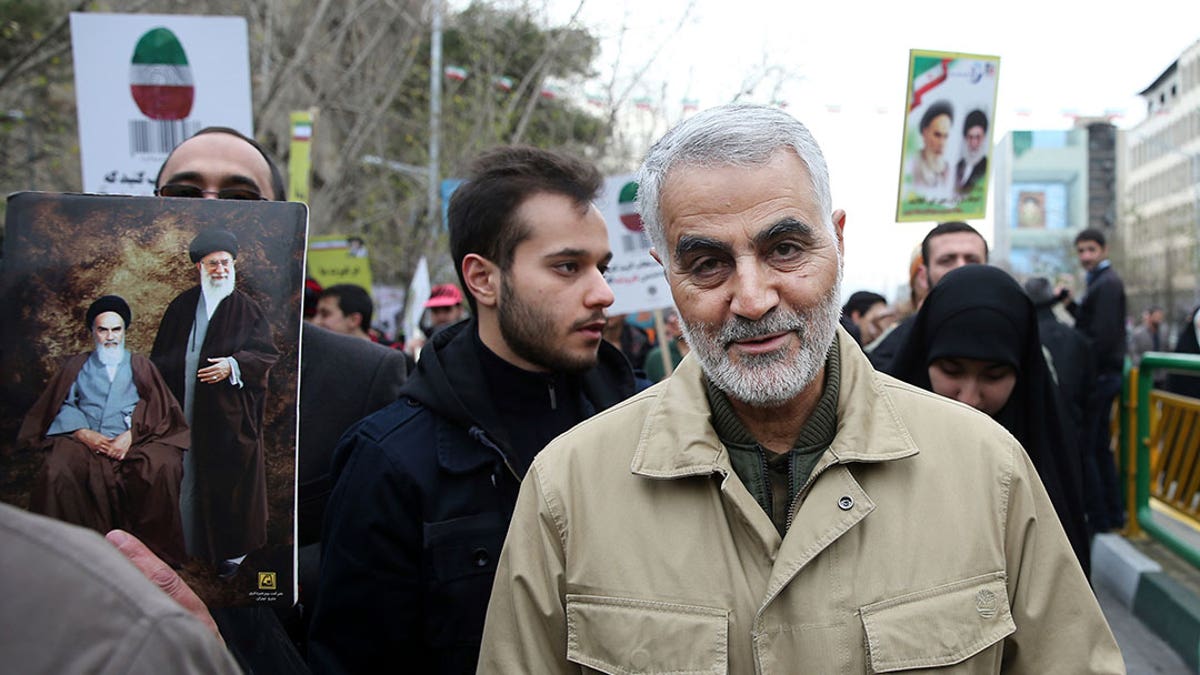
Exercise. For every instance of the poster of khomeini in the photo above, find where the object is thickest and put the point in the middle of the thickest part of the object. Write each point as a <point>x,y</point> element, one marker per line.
<point>149,368</point>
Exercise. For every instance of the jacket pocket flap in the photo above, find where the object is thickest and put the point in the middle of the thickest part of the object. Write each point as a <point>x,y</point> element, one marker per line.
<point>466,546</point>
<point>623,635</point>
<point>940,626</point>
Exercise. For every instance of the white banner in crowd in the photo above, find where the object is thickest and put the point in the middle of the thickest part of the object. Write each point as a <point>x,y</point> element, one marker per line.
<point>414,301</point>
<point>637,280</point>
<point>145,82</point>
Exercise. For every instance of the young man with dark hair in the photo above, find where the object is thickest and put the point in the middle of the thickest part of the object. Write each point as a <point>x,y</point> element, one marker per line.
<point>866,315</point>
<point>425,487</point>
<point>1100,316</point>
<point>947,246</point>
<point>950,245</point>
<point>345,309</point>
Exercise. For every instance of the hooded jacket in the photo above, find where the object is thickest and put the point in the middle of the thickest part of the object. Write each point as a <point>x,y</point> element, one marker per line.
<point>424,492</point>
<point>922,540</point>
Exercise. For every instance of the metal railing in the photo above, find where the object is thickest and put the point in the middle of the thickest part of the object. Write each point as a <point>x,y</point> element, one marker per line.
<point>1161,435</point>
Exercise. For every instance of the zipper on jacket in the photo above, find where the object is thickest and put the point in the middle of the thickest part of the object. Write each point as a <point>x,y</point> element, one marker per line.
<point>480,436</point>
<point>791,476</point>
<point>766,479</point>
<point>812,477</point>
<point>553,398</point>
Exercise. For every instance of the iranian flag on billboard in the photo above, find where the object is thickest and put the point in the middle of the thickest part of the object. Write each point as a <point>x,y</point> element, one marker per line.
<point>636,278</point>
<point>160,78</point>
<point>146,82</point>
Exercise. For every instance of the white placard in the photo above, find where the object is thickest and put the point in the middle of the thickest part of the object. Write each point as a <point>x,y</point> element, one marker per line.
<point>414,302</point>
<point>636,279</point>
<point>122,56</point>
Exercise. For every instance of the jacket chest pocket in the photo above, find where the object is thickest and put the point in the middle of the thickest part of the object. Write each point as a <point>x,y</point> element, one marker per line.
<point>460,560</point>
<point>464,547</point>
<point>625,636</point>
<point>955,628</point>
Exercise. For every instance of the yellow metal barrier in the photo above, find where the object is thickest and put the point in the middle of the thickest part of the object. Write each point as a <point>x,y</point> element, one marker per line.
<point>1162,462</point>
<point>1174,445</point>
<point>1127,462</point>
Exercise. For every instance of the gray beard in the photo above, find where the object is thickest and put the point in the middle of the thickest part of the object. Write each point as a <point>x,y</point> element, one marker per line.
<point>110,355</point>
<point>216,291</point>
<point>972,157</point>
<point>768,380</point>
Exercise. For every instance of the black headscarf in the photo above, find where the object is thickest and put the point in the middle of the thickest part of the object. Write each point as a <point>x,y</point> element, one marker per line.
<point>980,312</point>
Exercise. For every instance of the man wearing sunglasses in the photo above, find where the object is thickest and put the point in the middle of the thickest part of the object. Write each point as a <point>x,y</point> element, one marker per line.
<point>221,163</point>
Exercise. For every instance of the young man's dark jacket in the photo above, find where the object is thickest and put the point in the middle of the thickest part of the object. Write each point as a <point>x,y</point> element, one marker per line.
<point>1101,317</point>
<point>424,493</point>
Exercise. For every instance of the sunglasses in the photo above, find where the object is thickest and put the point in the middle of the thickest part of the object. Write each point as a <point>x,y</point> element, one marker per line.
<point>194,192</point>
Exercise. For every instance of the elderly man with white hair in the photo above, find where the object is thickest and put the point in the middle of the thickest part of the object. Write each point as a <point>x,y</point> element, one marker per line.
<point>114,438</point>
<point>215,349</point>
<point>777,506</point>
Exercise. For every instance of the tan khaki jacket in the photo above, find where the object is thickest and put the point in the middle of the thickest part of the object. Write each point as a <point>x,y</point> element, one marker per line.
<point>923,542</point>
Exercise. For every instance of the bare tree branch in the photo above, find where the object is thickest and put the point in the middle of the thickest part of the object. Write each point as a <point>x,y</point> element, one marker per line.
<point>55,33</point>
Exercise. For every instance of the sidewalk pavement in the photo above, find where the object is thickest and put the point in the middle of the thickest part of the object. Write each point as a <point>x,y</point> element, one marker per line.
<point>1161,589</point>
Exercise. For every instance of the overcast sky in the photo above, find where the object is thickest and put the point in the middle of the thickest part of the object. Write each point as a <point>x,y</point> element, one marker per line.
<point>852,57</point>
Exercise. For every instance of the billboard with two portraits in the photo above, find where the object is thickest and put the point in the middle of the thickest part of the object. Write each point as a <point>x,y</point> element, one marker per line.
<point>949,113</point>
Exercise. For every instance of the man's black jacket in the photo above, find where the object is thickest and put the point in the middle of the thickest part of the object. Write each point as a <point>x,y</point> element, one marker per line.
<point>1101,317</point>
<point>424,492</point>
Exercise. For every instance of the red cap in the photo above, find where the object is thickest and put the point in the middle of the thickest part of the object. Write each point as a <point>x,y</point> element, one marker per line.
<point>444,295</point>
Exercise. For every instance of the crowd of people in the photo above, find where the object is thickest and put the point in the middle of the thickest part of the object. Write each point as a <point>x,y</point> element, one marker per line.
<point>769,481</point>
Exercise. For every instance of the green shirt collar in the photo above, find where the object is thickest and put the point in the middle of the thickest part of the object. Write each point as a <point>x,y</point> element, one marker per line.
<point>774,481</point>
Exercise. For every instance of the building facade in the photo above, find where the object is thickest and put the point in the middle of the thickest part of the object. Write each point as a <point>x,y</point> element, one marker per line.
<point>1049,185</point>
<point>1159,209</point>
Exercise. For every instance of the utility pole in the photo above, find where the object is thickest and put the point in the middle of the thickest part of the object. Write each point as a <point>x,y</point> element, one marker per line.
<point>435,116</point>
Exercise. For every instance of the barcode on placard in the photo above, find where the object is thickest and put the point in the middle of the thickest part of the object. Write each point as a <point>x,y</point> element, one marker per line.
<point>633,243</point>
<point>158,137</point>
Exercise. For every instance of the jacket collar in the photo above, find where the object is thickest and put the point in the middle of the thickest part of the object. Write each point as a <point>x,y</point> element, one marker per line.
<point>449,381</point>
<point>678,438</point>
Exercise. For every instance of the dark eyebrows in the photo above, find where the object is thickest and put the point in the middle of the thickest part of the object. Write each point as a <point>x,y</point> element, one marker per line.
<point>785,227</point>
<point>193,176</point>
<point>576,253</point>
<point>197,177</point>
<point>689,244</point>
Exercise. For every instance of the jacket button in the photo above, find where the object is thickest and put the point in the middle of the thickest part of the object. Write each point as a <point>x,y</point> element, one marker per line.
<point>846,503</point>
<point>481,557</point>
